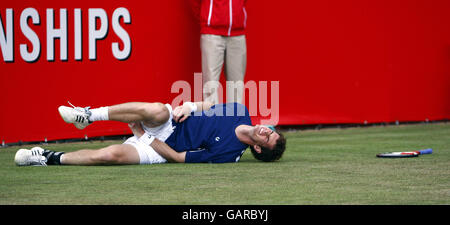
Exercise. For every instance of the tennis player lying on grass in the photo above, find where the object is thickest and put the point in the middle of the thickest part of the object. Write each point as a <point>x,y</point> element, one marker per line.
<point>191,133</point>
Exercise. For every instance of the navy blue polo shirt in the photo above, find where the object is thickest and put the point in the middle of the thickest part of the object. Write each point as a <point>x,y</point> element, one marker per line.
<point>209,136</point>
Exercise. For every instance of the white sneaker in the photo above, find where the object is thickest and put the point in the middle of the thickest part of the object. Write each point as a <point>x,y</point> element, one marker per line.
<point>33,157</point>
<point>77,115</point>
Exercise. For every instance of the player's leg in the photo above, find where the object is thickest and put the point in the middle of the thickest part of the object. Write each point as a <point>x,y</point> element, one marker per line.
<point>111,155</point>
<point>152,114</point>
<point>235,67</point>
<point>120,154</point>
<point>213,53</point>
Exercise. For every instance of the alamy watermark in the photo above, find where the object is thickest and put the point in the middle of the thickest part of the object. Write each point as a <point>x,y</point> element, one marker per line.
<point>258,96</point>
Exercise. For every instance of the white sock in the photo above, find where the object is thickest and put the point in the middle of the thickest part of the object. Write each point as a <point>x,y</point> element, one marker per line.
<point>99,114</point>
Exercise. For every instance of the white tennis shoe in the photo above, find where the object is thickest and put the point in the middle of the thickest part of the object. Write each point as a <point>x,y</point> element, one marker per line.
<point>33,157</point>
<point>77,115</point>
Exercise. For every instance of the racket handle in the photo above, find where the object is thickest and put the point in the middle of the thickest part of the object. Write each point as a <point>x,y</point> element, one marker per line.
<point>426,151</point>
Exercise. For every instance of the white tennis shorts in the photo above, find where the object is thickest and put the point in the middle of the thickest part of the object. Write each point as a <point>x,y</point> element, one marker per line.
<point>147,154</point>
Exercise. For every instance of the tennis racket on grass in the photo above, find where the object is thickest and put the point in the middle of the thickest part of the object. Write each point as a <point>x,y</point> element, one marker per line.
<point>405,154</point>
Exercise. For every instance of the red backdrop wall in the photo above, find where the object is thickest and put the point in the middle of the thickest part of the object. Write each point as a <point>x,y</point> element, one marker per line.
<point>346,61</point>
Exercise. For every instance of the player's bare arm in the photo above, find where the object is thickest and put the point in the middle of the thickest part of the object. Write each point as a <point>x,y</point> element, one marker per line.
<point>167,152</point>
<point>160,147</point>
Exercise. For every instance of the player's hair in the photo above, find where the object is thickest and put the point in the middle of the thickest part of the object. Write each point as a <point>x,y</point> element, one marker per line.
<point>270,155</point>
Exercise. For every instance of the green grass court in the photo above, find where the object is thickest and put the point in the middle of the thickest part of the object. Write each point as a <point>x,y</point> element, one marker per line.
<point>329,166</point>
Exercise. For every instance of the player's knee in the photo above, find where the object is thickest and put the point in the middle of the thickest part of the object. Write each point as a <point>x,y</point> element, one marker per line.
<point>156,113</point>
<point>162,114</point>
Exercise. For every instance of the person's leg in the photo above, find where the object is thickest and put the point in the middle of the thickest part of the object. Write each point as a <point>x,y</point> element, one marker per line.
<point>151,114</point>
<point>111,155</point>
<point>213,53</point>
<point>121,154</point>
<point>235,67</point>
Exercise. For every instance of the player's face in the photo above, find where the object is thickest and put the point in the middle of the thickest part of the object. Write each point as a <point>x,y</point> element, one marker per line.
<point>264,136</point>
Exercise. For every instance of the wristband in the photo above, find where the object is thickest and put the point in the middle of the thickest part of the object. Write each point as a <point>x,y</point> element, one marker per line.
<point>191,105</point>
<point>147,139</point>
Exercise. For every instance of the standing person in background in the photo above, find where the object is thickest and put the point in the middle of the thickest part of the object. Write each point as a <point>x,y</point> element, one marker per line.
<point>223,40</point>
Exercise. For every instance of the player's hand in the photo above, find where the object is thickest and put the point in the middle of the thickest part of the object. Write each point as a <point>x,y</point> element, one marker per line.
<point>181,113</point>
<point>136,128</point>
